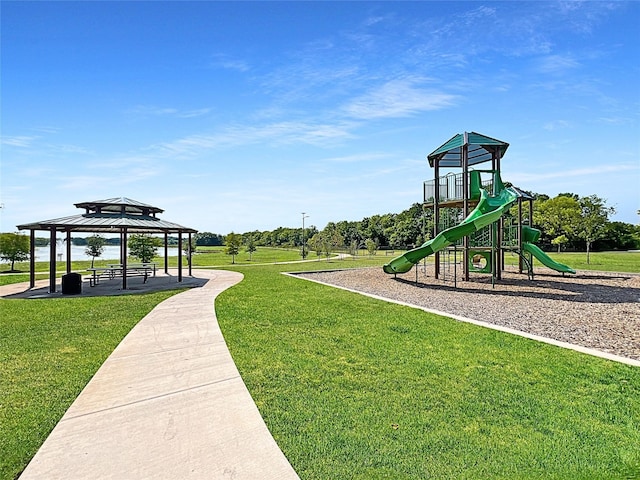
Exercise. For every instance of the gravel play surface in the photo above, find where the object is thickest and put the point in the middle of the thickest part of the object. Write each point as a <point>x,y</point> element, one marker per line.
<point>598,310</point>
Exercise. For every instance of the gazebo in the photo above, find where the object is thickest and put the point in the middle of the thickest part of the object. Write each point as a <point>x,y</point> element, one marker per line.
<point>114,215</point>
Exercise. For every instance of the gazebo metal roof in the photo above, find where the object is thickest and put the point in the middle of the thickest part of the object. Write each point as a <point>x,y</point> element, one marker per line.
<point>111,216</point>
<point>120,215</point>
<point>120,204</point>
<point>108,223</point>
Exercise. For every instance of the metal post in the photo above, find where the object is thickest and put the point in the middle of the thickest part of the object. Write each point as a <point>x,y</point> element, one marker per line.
<point>494,253</point>
<point>436,213</point>
<point>32,259</point>
<point>190,258</point>
<point>68,251</point>
<point>455,265</point>
<point>499,238</point>
<point>166,253</point>
<point>465,204</point>
<point>520,261</point>
<point>180,256</point>
<point>124,258</point>
<point>52,260</point>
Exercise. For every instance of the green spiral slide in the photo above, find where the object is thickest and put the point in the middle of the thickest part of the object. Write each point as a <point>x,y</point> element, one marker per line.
<point>488,210</point>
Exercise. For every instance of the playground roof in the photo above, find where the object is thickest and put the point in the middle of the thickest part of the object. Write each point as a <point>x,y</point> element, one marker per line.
<point>480,149</point>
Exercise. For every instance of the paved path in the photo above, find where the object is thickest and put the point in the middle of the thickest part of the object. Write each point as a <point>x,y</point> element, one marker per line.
<point>168,403</point>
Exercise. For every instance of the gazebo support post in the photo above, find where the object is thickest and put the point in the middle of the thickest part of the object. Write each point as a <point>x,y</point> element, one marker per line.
<point>124,258</point>
<point>52,260</point>
<point>180,256</point>
<point>32,259</point>
<point>68,251</point>
<point>166,253</point>
<point>190,258</point>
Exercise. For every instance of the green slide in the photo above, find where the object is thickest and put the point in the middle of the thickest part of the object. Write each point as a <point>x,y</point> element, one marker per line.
<point>531,235</point>
<point>488,210</point>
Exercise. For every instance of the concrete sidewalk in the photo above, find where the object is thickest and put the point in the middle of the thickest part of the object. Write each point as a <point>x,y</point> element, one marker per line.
<point>168,403</point>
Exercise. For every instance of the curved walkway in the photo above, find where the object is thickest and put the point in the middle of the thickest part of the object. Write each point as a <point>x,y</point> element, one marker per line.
<point>168,403</point>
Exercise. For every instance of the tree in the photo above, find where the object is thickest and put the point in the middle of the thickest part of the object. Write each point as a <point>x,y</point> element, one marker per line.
<point>353,247</point>
<point>208,239</point>
<point>316,244</point>
<point>371,246</point>
<point>331,239</point>
<point>595,216</point>
<point>326,245</point>
<point>558,217</point>
<point>143,247</point>
<point>189,249</point>
<point>95,247</point>
<point>250,246</point>
<point>233,242</point>
<point>559,241</point>
<point>619,236</point>
<point>14,248</point>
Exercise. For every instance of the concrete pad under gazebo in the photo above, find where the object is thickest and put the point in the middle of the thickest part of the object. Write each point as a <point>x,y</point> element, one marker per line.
<point>114,215</point>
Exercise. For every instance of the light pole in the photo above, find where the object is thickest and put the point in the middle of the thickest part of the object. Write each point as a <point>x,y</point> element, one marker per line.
<point>304,253</point>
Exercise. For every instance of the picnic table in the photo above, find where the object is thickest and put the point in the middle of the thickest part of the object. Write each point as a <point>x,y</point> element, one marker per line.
<point>114,270</point>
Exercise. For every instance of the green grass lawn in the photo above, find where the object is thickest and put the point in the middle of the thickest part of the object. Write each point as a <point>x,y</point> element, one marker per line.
<point>205,257</point>
<point>49,349</point>
<point>351,387</point>
<point>628,262</point>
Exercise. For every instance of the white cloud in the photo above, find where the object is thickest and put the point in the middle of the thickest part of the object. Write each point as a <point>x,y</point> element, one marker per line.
<point>20,141</point>
<point>556,125</point>
<point>359,157</point>
<point>517,177</point>
<point>153,111</point>
<point>228,63</point>
<point>292,132</point>
<point>556,64</point>
<point>398,98</point>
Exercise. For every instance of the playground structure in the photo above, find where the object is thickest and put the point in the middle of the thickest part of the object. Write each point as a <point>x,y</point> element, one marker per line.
<point>482,235</point>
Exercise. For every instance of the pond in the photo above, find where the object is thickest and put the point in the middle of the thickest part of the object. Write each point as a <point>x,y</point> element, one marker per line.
<point>110,252</point>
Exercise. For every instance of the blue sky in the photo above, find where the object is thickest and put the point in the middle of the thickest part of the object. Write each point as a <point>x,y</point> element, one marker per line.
<point>241,115</point>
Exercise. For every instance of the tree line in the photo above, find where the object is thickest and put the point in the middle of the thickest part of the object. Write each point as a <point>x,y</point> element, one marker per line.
<point>567,221</point>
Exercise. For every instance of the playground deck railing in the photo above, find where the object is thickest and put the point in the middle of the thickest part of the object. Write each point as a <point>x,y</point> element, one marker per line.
<point>450,188</point>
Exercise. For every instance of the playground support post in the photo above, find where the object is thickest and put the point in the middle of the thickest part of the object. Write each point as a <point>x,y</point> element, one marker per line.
<point>494,254</point>
<point>455,265</point>
<point>520,259</point>
<point>436,214</point>
<point>465,211</point>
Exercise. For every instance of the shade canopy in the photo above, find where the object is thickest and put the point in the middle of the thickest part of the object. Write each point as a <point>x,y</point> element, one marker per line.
<point>112,215</point>
<point>121,216</point>
<point>480,149</point>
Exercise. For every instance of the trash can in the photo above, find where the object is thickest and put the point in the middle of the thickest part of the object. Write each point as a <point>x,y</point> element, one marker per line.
<point>72,284</point>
